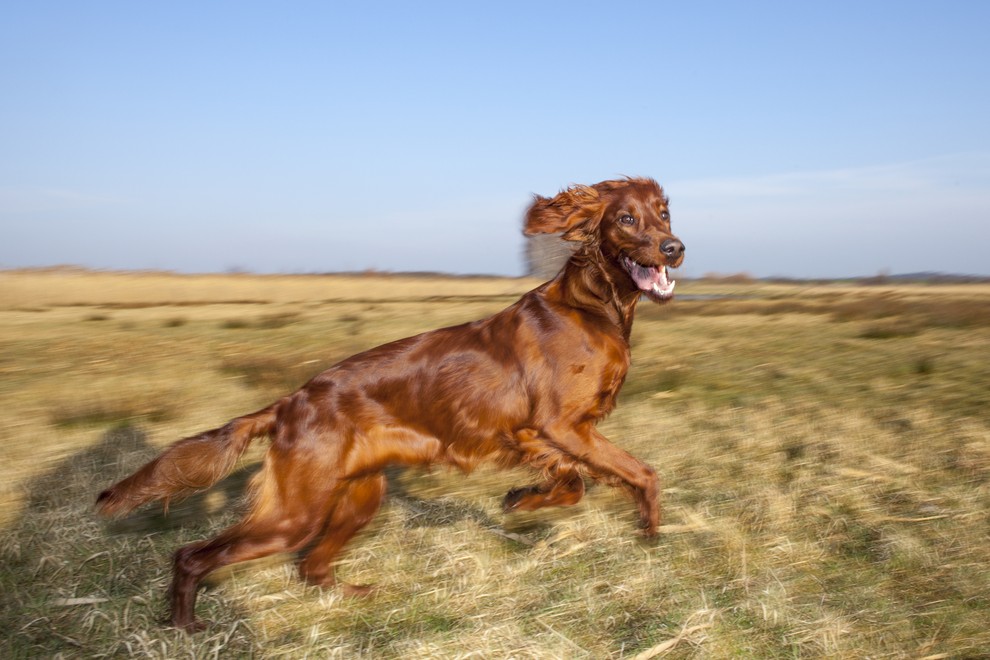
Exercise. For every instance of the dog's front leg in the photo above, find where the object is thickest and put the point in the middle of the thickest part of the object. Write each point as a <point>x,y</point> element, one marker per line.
<point>613,465</point>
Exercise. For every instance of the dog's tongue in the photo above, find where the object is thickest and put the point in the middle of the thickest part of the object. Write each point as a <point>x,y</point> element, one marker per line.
<point>652,279</point>
<point>649,278</point>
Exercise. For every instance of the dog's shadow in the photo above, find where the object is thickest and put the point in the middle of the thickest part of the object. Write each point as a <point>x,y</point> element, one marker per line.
<point>56,552</point>
<point>521,529</point>
<point>422,512</point>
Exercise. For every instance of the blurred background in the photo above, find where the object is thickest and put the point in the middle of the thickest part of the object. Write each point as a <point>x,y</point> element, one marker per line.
<point>803,140</point>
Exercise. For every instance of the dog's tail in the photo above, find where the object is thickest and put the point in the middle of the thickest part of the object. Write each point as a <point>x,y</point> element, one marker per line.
<point>189,465</point>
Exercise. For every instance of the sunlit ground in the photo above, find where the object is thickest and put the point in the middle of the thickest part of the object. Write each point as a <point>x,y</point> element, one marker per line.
<point>824,450</point>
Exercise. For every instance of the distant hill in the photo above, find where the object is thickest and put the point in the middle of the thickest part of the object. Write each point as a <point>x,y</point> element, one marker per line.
<point>927,277</point>
<point>923,277</point>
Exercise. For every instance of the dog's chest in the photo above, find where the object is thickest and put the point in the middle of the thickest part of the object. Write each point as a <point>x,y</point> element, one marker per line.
<point>595,373</point>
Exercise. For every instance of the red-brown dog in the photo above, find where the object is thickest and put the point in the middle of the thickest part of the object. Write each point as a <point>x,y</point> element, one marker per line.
<point>524,387</point>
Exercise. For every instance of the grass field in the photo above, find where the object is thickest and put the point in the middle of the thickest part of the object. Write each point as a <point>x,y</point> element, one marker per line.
<point>824,451</point>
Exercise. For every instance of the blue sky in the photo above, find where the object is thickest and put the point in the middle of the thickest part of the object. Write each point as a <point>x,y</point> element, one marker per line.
<point>800,139</point>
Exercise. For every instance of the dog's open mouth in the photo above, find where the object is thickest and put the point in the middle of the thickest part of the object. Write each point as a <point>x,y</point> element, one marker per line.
<point>652,280</point>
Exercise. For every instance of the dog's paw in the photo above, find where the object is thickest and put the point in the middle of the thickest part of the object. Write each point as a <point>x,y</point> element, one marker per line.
<point>513,498</point>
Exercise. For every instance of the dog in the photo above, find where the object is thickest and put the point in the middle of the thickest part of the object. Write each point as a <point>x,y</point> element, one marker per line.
<point>523,387</point>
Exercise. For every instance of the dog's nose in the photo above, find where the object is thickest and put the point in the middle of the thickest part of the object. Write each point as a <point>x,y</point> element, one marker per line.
<point>672,247</point>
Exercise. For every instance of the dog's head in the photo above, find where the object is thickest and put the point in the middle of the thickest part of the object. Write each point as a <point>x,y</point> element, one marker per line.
<point>626,220</point>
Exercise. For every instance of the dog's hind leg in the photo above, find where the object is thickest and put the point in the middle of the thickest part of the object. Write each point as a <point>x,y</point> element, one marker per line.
<point>284,517</point>
<point>355,503</point>
<point>250,539</point>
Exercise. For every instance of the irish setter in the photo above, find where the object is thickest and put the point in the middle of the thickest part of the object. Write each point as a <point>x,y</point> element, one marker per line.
<point>524,387</point>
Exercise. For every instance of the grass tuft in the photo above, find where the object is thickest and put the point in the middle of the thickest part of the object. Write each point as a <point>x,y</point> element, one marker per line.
<point>276,374</point>
<point>887,330</point>
<point>110,412</point>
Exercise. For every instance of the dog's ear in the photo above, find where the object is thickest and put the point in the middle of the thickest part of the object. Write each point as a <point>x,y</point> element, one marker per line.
<point>576,212</point>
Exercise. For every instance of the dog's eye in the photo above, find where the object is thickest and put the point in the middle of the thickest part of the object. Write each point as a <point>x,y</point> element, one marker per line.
<point>627,220</point>
<point>665,216</point>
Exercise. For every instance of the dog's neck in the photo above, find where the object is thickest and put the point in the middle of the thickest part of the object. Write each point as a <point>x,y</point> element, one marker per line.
<point>592,283</point>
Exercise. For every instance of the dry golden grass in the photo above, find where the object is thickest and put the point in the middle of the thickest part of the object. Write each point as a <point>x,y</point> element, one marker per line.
<point>825,452</point>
